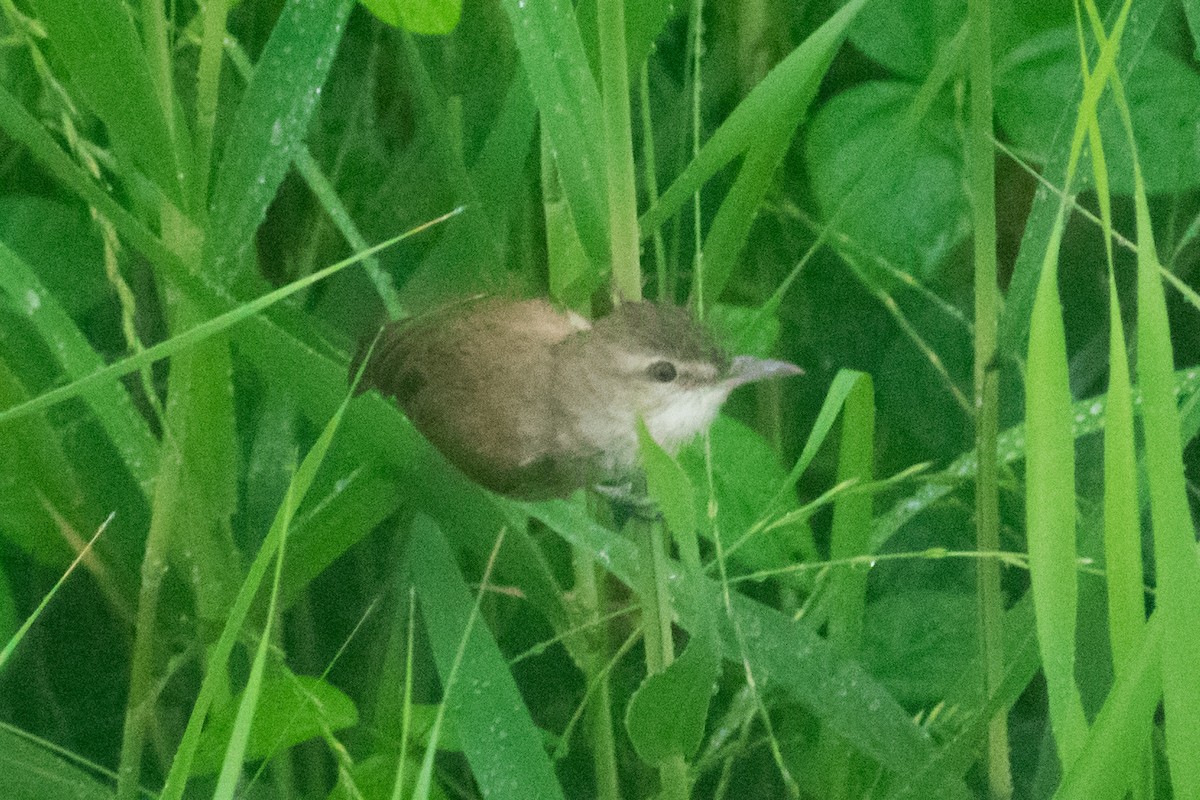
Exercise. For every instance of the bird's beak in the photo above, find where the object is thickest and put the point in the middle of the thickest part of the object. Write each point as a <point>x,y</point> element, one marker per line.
<point>747,369</point>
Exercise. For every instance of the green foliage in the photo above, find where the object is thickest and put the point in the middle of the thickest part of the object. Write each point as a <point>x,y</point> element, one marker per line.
<point>290,709</point>
<point>186,190</point>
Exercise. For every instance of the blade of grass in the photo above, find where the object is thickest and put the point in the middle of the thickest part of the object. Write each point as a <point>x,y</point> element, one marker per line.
<point>552,53</point>
<point>268,128</point>
<point>1039,225</point>
<point>1111,762</point>
<point>110,402</point>
<point>16,638</point>
<point>235,752</point>
<point>406,720</point>
<point>1122,515</point>
<point>1176,565</point>
<point>34,769</point>
<point>102,51</point>
<point>327,196</point>
<point>850,537</point>
<point>1050,507</point>
<point>26,131</point>
<point>500,740</point>
<point>618,152</point>
<point>781,98</point>
<point>202,331</point>
<point>1050,459</point>
<point>215,673</point>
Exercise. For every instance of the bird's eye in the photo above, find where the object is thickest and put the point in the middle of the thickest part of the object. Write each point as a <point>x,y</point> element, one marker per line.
<point>662,371</point>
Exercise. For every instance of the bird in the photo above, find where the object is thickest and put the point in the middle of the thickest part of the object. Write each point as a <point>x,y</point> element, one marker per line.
<point>533,401</point>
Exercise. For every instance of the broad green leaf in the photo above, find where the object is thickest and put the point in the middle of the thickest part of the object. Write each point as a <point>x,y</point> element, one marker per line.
<point>1036,80</point>
<point>962,739</point>
<point>666,715</point>
<point>291,709</point>
<point>918,642</point>
<point>800,663</point>
<point>746,480</point>
<point>905,35</point>
<point>373,778</point>
<point>909,208</point>
<point>430,17</point>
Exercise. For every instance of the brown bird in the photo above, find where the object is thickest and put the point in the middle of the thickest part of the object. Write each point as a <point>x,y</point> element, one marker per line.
<point>534,402</point>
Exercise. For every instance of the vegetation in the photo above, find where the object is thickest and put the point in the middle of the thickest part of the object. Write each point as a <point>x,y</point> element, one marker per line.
<point>975,225</point>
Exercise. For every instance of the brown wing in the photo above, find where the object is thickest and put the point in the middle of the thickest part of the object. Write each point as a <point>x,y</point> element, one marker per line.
<point>387,370</point>
<point>474,379</point>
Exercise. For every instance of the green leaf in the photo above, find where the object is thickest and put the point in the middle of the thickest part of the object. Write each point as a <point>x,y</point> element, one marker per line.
<point>36,475</point>
<point>269,128</point>
<point>103,52</point>
<point>60,245</point>
<point>1015,316</point>
<point>644,21</point>
<point>565,92</point>
<point>1050,509</point>
<point>800,663</point>
<point>779,100</point>
<point>1177,568</point>
<point>918,642</point>
<point>1037,80</point>
<point>430,17</point>
<point>910,208</point>
<point>374,776</point>
<point>499,738</point>
<point>666,715</point>
<point>668,483</point>
<point>747,476</point>
<point>30,771</point>
<point>906,35</point>
<point>1117,742</point>
<point>291,709</point>
<point>218,655</point>
<point>200,415</point>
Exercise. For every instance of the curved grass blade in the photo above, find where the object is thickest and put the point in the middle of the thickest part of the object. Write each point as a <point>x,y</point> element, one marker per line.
<point>778,101</point>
